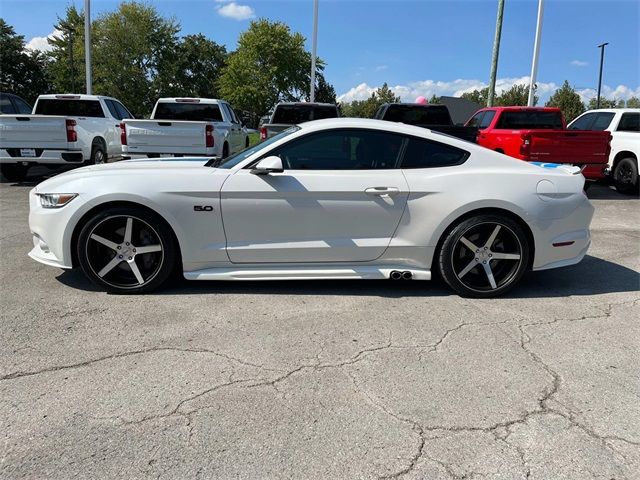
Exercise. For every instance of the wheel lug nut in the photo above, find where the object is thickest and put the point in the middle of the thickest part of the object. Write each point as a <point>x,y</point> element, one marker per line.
<point>484,261</point>
<point>129,258</point>
<point>489,255</point>
<point>119,256</point>
<point>477,259</point>
<point>119,247</point>
<point>486,248</point>
<point>127,244</point>
<point>134,250</point>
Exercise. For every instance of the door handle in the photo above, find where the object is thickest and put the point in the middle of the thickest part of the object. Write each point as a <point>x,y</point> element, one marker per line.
<point>382,191</point>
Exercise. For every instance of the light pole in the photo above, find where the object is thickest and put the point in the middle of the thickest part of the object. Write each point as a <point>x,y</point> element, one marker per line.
<point>601,47</point>
<point>494,56</point>
<point>536,54</point>
<point>314,42</point>
<point>87,45</point>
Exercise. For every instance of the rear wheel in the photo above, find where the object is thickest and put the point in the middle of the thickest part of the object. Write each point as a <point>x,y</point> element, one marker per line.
<point>484,256</point>
<point>225,150</point>
<point>127,250</point>
<point>625,176</point>
<point>14,172</point>
<point>98,155</point>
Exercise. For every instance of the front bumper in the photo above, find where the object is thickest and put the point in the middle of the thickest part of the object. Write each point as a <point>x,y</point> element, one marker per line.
<point>48,229</point>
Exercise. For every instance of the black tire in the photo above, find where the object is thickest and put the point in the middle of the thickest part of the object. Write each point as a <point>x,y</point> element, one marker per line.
<point>246,143</point>
<point>625,176</point>
<point>225,150</point>
<point>153,155</point>
<point>98,155</point>
<point>109,260</point>
<point>469,270</point>
<point>14,172</point>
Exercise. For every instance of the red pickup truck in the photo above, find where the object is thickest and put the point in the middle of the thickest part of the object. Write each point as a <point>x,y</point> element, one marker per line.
<point>539,134</point>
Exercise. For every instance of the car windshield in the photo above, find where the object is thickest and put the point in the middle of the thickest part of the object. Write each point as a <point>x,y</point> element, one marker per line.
<point>234,160</point>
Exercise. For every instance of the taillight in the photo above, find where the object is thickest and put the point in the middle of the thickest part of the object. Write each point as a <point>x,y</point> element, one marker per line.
<point>525,146</point>
<point>123,134</point>
<point>208,135</point>
<point>72,135</point>
<point>263,133</point>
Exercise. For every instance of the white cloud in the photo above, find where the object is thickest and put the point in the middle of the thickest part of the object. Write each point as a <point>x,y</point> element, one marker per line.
<point>235,11</point>
<point>42,43</point>
<point>621,92</point>
<point>579,63</point>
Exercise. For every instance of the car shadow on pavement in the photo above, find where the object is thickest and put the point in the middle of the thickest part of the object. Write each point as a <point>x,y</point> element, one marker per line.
<point>592,276</point>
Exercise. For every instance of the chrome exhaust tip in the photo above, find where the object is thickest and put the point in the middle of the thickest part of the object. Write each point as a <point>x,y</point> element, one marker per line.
<point>407,275</point>
<point>395,275</point>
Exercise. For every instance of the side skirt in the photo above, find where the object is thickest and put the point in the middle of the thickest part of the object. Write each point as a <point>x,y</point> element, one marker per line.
<point>344,272</point>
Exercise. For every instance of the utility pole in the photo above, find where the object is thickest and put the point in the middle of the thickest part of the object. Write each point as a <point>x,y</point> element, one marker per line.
<point>536,53</point>
<point>87,45</point>
<point>494,56</point>
<point>312,89</point>
<point>601,47</point>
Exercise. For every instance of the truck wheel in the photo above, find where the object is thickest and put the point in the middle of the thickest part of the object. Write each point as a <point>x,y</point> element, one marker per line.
<point>625,176</point>
<point>225,150</point>
<point>98,155</point>
<point>14,173</point>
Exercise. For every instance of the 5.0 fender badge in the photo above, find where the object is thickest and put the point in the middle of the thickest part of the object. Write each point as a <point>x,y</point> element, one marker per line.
<point>202,208</point>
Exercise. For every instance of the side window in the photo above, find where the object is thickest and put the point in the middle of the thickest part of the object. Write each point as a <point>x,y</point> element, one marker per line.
<point>630,122</point>
<point>348,149</point>
<point>112,109</point>
<point>22,106</point>
<point>6,106</point>
<point>428,154</point>
<point>227,112</point>
<point>233,114</point>
<point>476,120</point>
<point>487,119</point>
<point>584,122</point>
<point>602,121</point>
<point>124,113</point>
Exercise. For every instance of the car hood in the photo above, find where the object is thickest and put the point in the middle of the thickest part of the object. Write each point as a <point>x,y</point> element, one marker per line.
<point>112,172</point>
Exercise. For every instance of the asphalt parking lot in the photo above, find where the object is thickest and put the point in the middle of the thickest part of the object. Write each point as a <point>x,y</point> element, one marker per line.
<point>323,380</point>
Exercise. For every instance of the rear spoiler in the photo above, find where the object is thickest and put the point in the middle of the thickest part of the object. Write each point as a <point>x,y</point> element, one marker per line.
<point>570,169</point>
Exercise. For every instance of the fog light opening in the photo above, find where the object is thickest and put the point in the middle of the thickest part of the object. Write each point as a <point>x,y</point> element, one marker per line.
<point>563,244</point>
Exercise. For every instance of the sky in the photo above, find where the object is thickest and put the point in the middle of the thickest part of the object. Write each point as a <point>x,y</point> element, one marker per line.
<point>418,47</point>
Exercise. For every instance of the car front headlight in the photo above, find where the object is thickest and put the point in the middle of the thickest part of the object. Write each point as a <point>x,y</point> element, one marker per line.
<point>55,200</point>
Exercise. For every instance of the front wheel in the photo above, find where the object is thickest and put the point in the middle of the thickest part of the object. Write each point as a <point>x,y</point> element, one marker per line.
<point>14,172</point>
<point>625,176</point>
<point>127,250</point>
<point>484,256</point>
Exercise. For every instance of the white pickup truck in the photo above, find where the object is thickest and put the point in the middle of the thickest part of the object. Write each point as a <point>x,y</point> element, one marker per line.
<point>624,125</point>
<point>63,129</point>
<point>186,126</point>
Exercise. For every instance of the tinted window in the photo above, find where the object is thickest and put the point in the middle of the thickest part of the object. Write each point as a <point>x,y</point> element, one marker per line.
<point>234,160</point>
<point>124,113</point>
<point>5,105</point>
<point>22,106</point>
<point>195,112</point>
<point>427,154</point>
<point>584,122</point>
<point>233,114</point>
<point>342,150</point>
<point>476,119</point>
<point>294,114</point>
<point>532,119</point>
<point>113,110</point>
<point>630,122</point>
<point>69,108</point>
<point>418,115</point>
<point>487,119</point>
<point>602,121</point>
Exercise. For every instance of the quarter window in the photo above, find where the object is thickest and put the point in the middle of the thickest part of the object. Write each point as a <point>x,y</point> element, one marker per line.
<point>602,121</point>
<point>22,106</point>
<point>487,119</point>
<point>348,149</point>
<point>112,108</point>
<point>630,122</point>
<point>584,122</point>
<point>422,153</point>
<point>6,106</point>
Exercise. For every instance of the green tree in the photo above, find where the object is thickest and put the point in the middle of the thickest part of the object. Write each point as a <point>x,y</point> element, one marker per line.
<point>66,67</point>
<point>270,65</point>
<point>567,100</point>
<point>477,96</point>
<point>434,100</point>
<point>604,103</point>
<point>516,95</point>
<point>21,72</point>
<point>368,108</point>
<point>134,48</point>
<point>325,93</point>
<point>633,102</point>
<point>193,69</point>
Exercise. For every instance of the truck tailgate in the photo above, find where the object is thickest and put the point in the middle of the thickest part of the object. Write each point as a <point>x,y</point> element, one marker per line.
<point>268,130</point>
<point>33,131</point>
<point>561,146</point>
<point>165,136</point>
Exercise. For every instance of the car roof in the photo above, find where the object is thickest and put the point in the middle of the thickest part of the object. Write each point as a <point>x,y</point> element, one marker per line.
<point>207,101</point>
<point>74,96</point>
<point>307,104</point>
<point>614,110</point>
<point>520,108</point>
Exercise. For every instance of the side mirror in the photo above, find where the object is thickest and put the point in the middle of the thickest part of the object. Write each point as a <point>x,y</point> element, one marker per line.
<point>268,165</point>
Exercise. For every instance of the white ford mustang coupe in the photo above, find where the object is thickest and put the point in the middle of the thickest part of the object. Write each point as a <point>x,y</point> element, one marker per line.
<point>330,199</point>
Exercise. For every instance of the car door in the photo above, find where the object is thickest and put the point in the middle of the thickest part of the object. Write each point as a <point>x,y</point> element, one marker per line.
<point>235,130</point>
<point>339,199</point>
